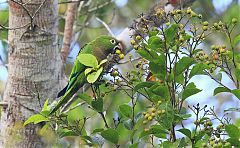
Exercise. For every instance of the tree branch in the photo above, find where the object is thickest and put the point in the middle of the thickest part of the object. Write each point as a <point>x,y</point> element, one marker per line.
<point>68,30</point>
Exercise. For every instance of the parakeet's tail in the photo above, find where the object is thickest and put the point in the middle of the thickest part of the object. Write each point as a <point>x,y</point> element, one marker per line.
<point>64,99</point>
<point>63,91</point>
<point>67,93</point>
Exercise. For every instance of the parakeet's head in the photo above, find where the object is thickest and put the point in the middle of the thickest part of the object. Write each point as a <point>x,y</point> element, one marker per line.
<point>105,45</point>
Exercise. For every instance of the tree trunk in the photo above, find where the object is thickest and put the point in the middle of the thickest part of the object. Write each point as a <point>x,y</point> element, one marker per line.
<point>35,69</point>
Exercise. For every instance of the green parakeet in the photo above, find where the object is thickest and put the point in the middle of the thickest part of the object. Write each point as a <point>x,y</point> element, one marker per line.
<point>101,48</point>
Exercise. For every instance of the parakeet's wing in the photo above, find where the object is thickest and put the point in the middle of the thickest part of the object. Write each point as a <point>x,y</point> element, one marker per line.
<point>76,80</point>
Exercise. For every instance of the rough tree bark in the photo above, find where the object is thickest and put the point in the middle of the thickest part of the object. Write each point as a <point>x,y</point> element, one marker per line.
<point>35,69</point>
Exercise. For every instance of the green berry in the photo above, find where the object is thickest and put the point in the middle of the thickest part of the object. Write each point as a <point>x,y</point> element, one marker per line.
<point>178,11</point>
<point>114,73</point>
<point>204,144</point>
<point>196,122</point>
<point>205,28</point>
<point>215,25</point>
<point>146,129</point>
<point>227,144</point>
<point>121,56</point>
<point>193,14</point>
<point>181,39</point>
<point>150,118</point>
<point>163,111</point>
<point>118,51</point>
<point>211,143</point>
<point>200,16</point>
<point>147,115</point>
<point>153,110</point>
<point>220,23</point>
<point>222,50</point>
<point>138,37</point>
<point>234,20</point>
<point>145,122</point>
<point>205,23</point>
<point>189,11</point>
<point>133,42</point>
<point>136,47</point>
<point>215,145</point>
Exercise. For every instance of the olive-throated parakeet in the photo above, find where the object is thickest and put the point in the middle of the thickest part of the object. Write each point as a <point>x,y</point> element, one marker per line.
<point>101,48</point>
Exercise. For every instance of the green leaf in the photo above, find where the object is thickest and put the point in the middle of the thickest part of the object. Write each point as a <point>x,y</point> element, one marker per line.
<point>196,51</point>
<point>45,106</point>
<point>98,130</point>
<point>135,145</point>
<point>128,124</point>
<point>237,74</point>
<point>168,144</point>
<point>143,85</point>
<point>190,90</point>
<point>180,78</point>
<point>37,118</point>
<point>198,69</point>
<point>87,139</point>
<point>187,37</point>
<point>182,143</point>
<point>171,32</point>
<point>149,54</point>
<point>161,91</point>
<point>92,77</point>
<point>126,110</point>
<point>46,109</point>
<point>185,132</point>
<point>102,62</point>
<point>3,16</point>
<point>233,131</point>
<point>236,40</point>
<point>232,110</point>
<point>234,142</point>
<point>218,77</point>
<point>199,135</point>
<point>3,35</point>
<point>236,92</point>
<point>152,33</point>
<point>167,118</point>
<point>110,135</point>
<point>98,104</point>
<point>155,42</point>
<point>88,60</point>
<point>159,131</point>
<point>183,64</point>
<point>88,70</point>
<point>85,97</point>
<point>67,134</point>
<point>158,70</point>
<point>180,117</point>
<point>144,133</point>
<point>221,89</point>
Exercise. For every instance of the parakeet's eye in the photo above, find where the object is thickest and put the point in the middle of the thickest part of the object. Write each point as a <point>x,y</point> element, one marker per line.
<point>113,41</point>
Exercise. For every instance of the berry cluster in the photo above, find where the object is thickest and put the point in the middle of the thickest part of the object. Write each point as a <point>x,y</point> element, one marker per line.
<point>217,57</point>
<point>215,139</point>
<point>153,113</point>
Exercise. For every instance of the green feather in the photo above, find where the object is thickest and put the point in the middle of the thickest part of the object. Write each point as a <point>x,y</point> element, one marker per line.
<point>101,47</point>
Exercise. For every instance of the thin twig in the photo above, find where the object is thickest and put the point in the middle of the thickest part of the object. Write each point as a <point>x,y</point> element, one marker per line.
<point>106,26</point>
<point>72,108</point>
